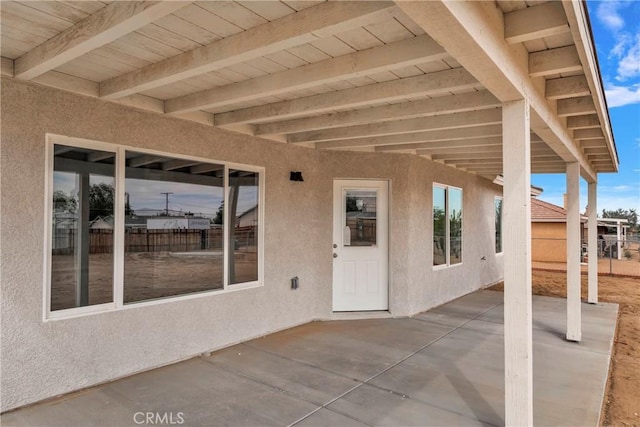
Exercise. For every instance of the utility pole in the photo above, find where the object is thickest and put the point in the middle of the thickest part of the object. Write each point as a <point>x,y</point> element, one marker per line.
<point>166,204</point>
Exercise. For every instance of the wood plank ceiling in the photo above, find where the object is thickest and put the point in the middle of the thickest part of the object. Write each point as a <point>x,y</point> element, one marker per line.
<point>328,75</point>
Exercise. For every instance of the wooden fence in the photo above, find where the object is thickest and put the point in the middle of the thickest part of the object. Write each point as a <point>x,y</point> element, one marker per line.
<point>143,240</point>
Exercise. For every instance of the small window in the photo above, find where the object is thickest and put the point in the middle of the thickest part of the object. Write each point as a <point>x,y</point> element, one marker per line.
<point>244,205</point>
<point>447,225</point>
<point>498,219</point>
<point>132,226</point>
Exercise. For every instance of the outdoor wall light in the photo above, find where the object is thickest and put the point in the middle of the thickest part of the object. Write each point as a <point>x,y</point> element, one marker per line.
<point>296,176</point>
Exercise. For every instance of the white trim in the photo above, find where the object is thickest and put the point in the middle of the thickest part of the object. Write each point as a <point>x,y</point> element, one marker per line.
<point>48,224</point>
<point>118,304</point>
<point>364,183</point>
<point>119,230</point>
<point>225,230</point>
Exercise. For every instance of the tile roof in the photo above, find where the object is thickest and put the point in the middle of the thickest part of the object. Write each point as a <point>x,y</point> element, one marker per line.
<point>541,210</point>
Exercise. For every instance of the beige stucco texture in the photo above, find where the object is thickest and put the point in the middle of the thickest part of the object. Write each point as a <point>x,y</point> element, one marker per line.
<point>41,359</point>
<point>549,241</point>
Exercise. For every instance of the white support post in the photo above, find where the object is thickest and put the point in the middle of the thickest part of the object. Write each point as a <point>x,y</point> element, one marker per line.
<point>517,264</point>
<point>592,232</point>
<point>619,239</point>
<point>574,330</point>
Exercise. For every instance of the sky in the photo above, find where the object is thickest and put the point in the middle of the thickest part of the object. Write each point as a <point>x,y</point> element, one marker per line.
<point>147,194</point>
<point>616,30</point>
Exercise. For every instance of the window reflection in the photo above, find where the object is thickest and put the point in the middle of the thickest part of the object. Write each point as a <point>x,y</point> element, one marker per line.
<point>455,225</point>
<point>439,226</point>
<point>498,217</point>
<point>243,226</point>
<point>82,227</point>
<point>360,218</point>
<point>174,214</point>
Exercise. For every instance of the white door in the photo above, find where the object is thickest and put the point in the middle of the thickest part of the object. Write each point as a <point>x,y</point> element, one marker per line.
<point>360,245</point>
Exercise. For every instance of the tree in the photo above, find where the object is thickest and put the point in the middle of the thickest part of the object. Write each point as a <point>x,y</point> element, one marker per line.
<point>629,214</point>
<point>64,202</point>
<point>101,197</point>
<point>219,218</point>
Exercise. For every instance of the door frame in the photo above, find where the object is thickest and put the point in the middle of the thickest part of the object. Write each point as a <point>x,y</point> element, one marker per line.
<point>356,182</point>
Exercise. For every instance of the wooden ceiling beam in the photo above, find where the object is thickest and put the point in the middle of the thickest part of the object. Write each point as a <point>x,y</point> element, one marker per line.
<point>451,136</point>
<point>593,143</point>
<point>554,61</point>
<point>474,34</point>
<point>576,106</point>
<point>106,25</point>
<point>567,87</point>
<point>423,85</point>
<point>583,122</point>
<point>535,22</point>
<point>595,133</point>
<point>449,121</point>
<point>288,31</point>
<point>421,108</point>
<point>400,54</point>
<point>469,144</point>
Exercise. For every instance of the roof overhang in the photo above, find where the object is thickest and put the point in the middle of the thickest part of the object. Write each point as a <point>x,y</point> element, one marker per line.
<point>423,78</point>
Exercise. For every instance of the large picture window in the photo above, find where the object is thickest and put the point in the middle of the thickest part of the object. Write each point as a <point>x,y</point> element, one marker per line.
<point>129,226</point>
<point>447,225</point>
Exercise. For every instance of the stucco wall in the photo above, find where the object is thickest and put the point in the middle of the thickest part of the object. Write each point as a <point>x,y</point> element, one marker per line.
<point>44,359</point>
<point>549,241</point>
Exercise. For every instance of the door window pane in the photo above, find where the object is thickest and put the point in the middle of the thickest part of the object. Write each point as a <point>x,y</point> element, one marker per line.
<point>244,204</point>
<point>173,227</point>
<point>455,225</point>
<point>82,227</point>
<point>360,218</point>
<point>439,226</point>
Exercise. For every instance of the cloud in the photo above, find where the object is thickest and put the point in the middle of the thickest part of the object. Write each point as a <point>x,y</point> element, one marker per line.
<point>617,96</point>
<point>629,65</point>
<point>622,40</point>
<point>608,13</point>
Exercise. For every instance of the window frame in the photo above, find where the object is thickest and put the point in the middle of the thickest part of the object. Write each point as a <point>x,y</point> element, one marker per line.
<point>447,263</point>
<point>495,231</point>
<point>119,229</point>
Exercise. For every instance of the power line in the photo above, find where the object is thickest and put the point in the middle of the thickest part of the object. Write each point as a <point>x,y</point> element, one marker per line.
<point>166,204</point>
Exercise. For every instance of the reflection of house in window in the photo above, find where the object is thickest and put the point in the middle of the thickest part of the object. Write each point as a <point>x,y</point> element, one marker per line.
<point>248,218</point>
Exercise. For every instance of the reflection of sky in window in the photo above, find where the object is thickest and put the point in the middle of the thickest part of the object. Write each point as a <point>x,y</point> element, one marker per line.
<point>146,194</point>
<point>438,197</point>
<point>67,182</point>
<point>455,200</point>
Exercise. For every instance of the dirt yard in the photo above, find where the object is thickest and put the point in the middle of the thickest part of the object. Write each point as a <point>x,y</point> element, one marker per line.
<point>147,275</point>
<point>622,401</point>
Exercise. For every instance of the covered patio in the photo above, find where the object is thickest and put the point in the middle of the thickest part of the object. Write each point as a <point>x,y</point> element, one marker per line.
<point>441,367</point>
<point>430,101</point>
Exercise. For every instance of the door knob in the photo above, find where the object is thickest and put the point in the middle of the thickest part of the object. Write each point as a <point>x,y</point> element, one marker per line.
<point>335,246</point>
<point>335,255</point>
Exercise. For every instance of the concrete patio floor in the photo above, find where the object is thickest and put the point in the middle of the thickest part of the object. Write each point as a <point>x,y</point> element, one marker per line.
<point>441,367</point>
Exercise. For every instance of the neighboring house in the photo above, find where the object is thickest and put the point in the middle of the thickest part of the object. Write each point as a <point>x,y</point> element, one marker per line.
<point>248,218</point>
<point>421,104</point>
<point>549,232</point>
<point>178,223</point>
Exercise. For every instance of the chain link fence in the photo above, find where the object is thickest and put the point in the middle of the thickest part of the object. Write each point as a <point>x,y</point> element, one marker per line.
<point>615,257</point>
